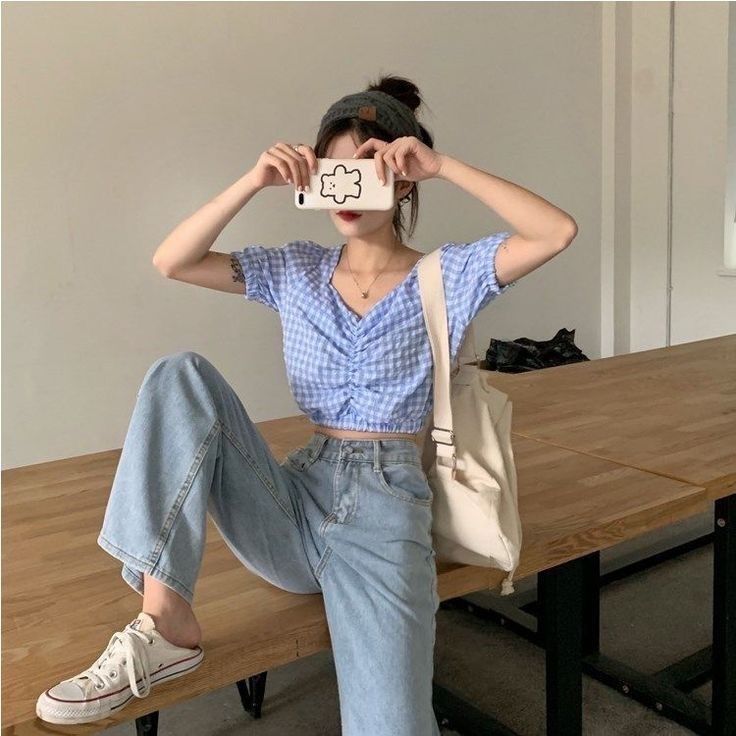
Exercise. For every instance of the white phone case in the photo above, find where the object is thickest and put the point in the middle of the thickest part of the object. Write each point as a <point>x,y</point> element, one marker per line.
<point>346,184</point>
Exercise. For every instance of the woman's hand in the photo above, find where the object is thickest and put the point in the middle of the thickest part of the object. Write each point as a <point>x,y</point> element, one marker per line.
<point>407,157</point>
<point>281,164</point>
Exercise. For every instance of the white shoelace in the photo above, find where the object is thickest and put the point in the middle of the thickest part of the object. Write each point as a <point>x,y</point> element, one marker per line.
<point>124,648</point>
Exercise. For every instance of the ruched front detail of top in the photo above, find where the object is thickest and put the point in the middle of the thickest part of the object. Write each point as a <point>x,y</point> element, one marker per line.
<point>370,373</point>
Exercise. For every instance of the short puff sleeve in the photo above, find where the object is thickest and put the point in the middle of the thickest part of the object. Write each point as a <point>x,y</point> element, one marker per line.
<point>265,272</point>
<point>469,275</point>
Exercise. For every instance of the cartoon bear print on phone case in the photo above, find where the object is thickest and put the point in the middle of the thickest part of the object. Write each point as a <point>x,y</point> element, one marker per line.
<point>341,184</point>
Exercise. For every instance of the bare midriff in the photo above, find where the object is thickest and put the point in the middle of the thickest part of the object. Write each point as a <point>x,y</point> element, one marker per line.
<point>350,434</point>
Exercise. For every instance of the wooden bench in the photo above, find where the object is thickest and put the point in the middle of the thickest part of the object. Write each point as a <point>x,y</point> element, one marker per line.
<point>571,504</point>
<point>590,477</point>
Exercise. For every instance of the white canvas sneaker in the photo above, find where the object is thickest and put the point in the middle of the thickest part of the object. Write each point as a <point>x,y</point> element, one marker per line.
<point>135,659</point>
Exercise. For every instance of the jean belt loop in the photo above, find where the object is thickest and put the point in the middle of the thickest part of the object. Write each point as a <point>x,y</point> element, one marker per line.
<point>319,445</point>
<point>376,455</point>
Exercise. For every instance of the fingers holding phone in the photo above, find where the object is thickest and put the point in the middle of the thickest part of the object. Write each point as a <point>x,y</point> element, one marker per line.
<point>281,164</point>
<point>407,157</point>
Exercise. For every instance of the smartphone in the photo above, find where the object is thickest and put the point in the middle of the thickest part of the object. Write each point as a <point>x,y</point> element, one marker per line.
<point>346,184</point>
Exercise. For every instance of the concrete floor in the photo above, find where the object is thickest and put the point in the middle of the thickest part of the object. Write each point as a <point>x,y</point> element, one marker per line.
<point>648,620</point>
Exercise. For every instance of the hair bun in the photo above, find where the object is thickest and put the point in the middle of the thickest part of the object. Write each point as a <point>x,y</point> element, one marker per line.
<point>401,88</point>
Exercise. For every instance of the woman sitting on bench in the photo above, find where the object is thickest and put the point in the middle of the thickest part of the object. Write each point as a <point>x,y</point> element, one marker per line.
<point>349,513</point>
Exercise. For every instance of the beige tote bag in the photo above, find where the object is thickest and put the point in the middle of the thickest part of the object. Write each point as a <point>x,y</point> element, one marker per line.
<point>467,453</point>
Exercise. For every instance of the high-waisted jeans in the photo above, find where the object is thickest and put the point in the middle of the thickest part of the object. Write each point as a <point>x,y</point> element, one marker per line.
<point>348,518</point>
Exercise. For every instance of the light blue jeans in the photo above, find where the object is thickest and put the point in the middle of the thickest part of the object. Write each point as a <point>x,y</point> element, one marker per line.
<point>348,518</point>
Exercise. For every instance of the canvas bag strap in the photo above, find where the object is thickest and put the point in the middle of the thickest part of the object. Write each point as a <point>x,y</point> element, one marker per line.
<point>434,308</point>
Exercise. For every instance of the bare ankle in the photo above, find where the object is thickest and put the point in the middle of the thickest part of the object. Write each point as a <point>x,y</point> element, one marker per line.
<point>161,599</point>
<point>182,631</point>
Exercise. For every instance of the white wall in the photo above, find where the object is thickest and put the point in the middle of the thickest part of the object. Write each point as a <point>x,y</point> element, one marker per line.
<point>729,219</point>
<point>703,296</point>
<point>121,119</point>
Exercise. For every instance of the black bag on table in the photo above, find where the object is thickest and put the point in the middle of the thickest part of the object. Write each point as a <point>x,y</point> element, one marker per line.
<point>524,354</point>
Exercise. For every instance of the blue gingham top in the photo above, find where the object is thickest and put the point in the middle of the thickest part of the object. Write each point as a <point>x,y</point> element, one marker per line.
<point>370,373</point>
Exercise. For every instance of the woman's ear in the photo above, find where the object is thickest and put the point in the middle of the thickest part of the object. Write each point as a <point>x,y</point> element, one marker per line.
<point>403,188</point>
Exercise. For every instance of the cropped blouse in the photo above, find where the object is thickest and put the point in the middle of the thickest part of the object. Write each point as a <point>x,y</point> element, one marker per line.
<point>370,373</point>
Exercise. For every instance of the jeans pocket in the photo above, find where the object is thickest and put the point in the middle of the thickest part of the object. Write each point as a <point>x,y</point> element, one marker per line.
<point>405,481</point>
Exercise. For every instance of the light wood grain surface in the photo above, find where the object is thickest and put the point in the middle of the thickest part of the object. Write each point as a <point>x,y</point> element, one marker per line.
<point>670,411</point>
<point>605,451</point>
<point>63,596</point>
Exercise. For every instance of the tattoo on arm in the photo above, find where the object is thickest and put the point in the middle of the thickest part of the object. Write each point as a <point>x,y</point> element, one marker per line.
<point>237,269</point>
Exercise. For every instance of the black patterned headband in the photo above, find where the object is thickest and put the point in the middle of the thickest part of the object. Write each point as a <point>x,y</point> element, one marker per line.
<point>374,105</point>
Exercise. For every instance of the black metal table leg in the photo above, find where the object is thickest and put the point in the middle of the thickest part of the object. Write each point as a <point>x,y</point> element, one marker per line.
<point>251,698</point>
<point>561,632</point>
<point>667,691</point>
<point>252,693</point>
<point>147,725</point>
<point>724,617</point>
<point>456,713</point>
<point>565,611</point>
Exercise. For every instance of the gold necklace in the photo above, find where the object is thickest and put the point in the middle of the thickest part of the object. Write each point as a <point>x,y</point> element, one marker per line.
<point>364,294</point>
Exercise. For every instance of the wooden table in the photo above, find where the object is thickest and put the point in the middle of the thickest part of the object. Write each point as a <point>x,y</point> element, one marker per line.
<point>574,503</point>
<point>669,413</point>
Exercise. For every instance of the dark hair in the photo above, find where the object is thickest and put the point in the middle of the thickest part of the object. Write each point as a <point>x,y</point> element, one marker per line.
<point>407,92</point>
